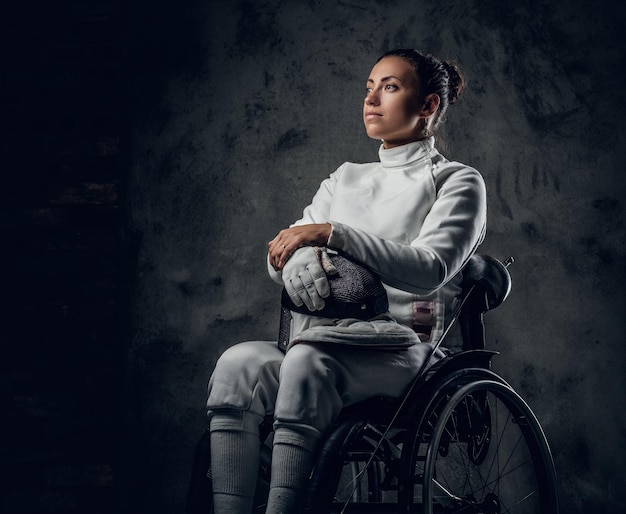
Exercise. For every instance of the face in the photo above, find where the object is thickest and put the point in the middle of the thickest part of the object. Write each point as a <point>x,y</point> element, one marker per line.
<point>392,109</point>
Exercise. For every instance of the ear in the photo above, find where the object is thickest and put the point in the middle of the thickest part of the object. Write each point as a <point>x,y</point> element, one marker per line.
<point>431,104</point>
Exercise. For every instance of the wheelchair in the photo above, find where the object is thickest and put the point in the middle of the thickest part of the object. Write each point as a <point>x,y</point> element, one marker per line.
<point>460,440</point>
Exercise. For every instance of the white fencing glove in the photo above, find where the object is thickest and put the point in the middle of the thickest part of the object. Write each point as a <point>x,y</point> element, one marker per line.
<point>305,279</point>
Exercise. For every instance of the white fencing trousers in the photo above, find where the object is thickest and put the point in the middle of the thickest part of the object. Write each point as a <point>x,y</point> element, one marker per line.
<point>312,382</point>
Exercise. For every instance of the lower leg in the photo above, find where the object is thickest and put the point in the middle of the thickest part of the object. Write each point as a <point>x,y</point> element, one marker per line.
<point>235,447</point>
<point>293,457</point>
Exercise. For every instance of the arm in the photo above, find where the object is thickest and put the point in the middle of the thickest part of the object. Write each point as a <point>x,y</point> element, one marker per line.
<point>452,230</point>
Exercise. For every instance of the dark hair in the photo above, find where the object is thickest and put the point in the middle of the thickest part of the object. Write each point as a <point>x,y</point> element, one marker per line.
<point>435,76</point>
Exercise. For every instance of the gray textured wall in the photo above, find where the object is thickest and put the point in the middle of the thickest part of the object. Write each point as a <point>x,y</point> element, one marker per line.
<point>242,108</point>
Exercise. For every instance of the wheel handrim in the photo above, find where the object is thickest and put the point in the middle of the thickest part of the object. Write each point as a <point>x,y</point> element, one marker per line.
<point>491,456</point>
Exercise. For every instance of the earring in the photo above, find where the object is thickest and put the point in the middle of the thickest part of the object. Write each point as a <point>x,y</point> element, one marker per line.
<point>426,130</point>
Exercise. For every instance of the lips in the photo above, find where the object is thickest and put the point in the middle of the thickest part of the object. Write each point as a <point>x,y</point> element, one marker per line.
<point>372,114</point>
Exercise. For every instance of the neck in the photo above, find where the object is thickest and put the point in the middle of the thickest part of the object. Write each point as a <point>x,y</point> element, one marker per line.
<point>387,144</point>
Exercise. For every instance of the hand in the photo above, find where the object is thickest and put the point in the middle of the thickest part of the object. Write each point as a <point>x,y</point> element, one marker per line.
<point>287,241</point>
<point>305,279</point>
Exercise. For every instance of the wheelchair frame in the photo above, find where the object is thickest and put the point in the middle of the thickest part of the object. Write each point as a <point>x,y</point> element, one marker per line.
<point>460,441</point>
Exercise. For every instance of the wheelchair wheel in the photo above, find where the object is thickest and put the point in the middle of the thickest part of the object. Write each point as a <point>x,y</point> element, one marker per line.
<point>341,477</point>
<point>483,451</point>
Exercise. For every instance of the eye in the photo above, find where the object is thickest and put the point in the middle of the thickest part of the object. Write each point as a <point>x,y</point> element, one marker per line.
<point>390,87</point>
<point>368,90</point>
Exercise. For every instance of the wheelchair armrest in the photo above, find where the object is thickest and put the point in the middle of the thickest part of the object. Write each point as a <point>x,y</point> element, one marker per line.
<point>489,278</point>
<point>486,284</point>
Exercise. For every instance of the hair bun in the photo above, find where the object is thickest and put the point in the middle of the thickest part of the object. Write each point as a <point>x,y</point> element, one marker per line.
<point>456,83</point>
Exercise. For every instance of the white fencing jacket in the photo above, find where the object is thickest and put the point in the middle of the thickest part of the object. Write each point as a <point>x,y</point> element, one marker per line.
<point>414,218</point>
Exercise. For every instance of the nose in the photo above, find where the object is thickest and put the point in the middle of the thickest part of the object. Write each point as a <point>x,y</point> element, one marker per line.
<point>371,98</point>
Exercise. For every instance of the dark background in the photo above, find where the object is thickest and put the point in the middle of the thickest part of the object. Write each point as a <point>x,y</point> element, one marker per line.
<point>149,151</point>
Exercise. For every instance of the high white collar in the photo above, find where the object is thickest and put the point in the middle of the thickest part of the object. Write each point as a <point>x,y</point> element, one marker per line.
<point>405,155</point>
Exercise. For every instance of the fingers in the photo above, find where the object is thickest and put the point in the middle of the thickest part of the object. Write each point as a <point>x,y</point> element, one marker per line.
<point>319,280</point>
<point>308,288</point>
<point>290,239</point>
<point>303,292</point>
<point>279,256</point>
<point>293,293</point>
<point>280,249</point>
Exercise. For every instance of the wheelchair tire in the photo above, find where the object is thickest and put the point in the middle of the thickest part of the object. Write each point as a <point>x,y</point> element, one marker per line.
<point>334,480</point>
<point>483,451</point>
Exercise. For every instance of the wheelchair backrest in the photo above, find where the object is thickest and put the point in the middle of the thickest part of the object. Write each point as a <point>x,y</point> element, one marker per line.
<point>486,284</point>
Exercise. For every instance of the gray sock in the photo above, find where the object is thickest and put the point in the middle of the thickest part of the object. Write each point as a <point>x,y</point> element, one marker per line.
<point>235,449</point>
<point>293,457</point>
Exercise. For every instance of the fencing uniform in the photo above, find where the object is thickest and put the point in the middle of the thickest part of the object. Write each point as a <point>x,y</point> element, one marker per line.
<point>414,218</point>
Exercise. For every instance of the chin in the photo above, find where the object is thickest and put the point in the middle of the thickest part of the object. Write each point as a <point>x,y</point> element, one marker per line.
<point>373,135</point>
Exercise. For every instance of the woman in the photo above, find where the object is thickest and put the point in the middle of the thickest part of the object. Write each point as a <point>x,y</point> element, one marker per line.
<point>414,218</point>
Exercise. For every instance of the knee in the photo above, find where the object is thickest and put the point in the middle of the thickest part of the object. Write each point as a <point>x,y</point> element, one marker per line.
<point>245,377</point>
<point>306,362</point>
<point>309,393</point>
<point>234,357</point>
<point>242,359</point>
